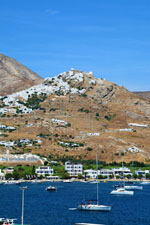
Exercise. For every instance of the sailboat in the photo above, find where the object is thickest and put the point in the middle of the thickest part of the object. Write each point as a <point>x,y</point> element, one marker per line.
<point>93,205</point>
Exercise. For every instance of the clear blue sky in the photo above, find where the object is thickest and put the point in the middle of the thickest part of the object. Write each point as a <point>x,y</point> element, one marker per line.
<point>111,38</point>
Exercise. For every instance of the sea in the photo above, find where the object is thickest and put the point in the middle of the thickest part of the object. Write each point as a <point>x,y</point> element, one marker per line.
<point>60,207</point>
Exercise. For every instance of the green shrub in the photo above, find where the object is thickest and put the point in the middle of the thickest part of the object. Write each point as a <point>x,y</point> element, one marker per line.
<point>84,95</point>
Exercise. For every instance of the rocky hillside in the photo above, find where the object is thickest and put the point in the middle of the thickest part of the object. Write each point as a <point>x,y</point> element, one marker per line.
<point>15,76</point>
<point>143,94</point>
<point>76,115</point>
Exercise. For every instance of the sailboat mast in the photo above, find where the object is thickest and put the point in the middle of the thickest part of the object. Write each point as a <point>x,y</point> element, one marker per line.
<point>97,178</point>
<point>123,172</point>
<point>132,164</point>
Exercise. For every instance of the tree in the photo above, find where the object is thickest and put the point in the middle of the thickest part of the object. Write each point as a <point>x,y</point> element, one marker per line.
<point>16,175</point>
<point>140,176</point>
<point>45,163</point>
<point>129,176</point>
<point>147,175</point>
<point>8,176</point>
<point>80,176</point>
<point>100,177</point>
<point>135,176</point>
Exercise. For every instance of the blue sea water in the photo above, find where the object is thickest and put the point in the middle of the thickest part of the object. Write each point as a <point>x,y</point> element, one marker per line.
<point>54,208</point>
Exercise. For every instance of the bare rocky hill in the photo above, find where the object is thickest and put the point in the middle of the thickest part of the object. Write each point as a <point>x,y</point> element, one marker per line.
<point>76,115</point>
<point>143,94</point>
<point>14,76</point>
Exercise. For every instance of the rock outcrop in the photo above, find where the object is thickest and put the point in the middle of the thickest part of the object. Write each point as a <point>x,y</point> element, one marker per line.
<point>15,77</point>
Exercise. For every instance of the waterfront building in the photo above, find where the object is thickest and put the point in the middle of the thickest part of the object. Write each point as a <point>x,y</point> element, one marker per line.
<point>44,171</point>
<point>121,171</point>
<point>1,174</point>
<point>106,172</point>
<point>90,173</point>
<point>8,170</point>
<point>142,173</point>
<point>73,168</point>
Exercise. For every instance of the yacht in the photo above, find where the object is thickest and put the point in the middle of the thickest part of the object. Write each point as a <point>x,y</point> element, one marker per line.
<point>87,224</point>
<point>121,191</point>
<point>93,205</point>
<point>51,188</point>
<point>145,182</point>
<point>133,187</point>
<point>6,221</point>
<point>67,181</point>
<point>129,185</point>
<point>93,182</point>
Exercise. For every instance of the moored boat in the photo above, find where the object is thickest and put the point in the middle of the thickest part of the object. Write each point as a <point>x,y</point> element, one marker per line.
<point>121,191</point>
<point>129,185</point>
<point>145,182</point>
<point>93,205</point>
<point>6,221</point>
<point>133,187</point>
<point>51,188</point>
<point>87,224</point>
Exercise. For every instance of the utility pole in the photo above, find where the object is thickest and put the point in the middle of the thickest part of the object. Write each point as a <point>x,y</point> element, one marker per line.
<point>22,188</point>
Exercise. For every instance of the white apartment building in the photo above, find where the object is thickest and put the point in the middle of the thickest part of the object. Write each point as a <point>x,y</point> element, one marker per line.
<point>106,172</point>
<point>44,170</point>
<point>121,171</point>
<point>90,173</point>
<point>73,169</point>
<point>142,172</point>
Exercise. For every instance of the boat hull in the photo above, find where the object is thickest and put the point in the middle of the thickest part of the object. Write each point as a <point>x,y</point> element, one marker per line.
<point>116,192</point>
<point>133,187</point>
<point>89,207</point>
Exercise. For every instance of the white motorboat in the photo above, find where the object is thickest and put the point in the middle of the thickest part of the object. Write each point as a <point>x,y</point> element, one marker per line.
<point>133,187</point>
<point>67,181</point>
<point>129,185</point>
<point>87,224</point>
<point>145,182</point>
<point>93,182</point>
<point>51,188</point>
<point>121,191</point>
<point>93,205</point>
<point>6,221</point>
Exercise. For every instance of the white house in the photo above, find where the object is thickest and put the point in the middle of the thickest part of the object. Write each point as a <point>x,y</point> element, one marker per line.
<point>8,170</point>
<point>121,171</point>
<point>142,172</point>
<point>73,169</point>
<point>1,174</point>
<point>90,173</point>
<point>106,172</point>
<point>44,170</point>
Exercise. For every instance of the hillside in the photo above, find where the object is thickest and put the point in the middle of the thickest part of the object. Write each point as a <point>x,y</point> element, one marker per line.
<point>143,94</point>
<point>15,77</point>
<point>77,115</point>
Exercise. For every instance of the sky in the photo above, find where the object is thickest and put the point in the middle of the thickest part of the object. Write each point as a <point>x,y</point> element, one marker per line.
<point>111,38</point>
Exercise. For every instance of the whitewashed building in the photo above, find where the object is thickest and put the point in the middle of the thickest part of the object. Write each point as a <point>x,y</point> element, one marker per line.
<point>121,171</point>
<point>8,170</point>
<point>141,172</point>
<point>73,169</point>
<point>90,173</point>
<point>106,172</point>
<point>1,174</point>
<point>44,170</point>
